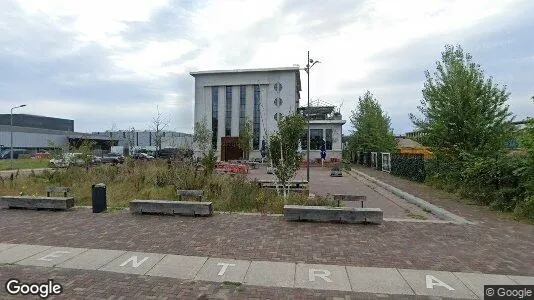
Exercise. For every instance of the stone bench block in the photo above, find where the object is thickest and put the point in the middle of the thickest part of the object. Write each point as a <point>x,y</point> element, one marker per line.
<point>33,202</point>
<point>184,208</point>
<point>333,214</point>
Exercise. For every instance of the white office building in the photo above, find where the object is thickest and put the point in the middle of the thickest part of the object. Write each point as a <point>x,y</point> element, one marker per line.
<point>225,98</point>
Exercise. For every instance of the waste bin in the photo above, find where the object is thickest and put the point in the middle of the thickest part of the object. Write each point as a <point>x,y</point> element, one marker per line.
<point>99,198</point>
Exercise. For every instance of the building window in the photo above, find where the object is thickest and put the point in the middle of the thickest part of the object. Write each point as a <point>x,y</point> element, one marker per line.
<point>123,134</point>
<point>242,106</point>
<point>316,139</point>
<point>228,116</point>
<point>278,101</point>
<point>278,117</point>
<point>214,115</point>
<point>278,87</point>
<point>256,120</point>
<point>328,139</point>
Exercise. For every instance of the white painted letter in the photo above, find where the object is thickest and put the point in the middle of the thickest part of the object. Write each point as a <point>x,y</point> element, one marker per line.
<point>431,281</point>
<point>224,267</point>
<point>323,274</point>
<point>134,261</point>
<point>53,255</point>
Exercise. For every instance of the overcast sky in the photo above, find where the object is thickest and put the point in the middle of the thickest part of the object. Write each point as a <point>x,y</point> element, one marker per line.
<point>109,64</point>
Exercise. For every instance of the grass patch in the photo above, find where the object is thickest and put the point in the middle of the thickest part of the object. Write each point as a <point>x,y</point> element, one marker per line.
<point>156,181</point>
<point>416,216</point>
<point>24,163</point>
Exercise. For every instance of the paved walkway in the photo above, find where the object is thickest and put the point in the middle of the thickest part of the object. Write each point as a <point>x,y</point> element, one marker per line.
<point>260,273</point>
<point>322,184</point>
<point>499,249</point>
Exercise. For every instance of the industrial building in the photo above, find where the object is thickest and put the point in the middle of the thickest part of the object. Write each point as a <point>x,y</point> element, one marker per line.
<point>148,139</point>
<point>36,133</point>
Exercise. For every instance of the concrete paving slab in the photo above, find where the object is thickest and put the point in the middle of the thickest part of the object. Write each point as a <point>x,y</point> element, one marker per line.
<point>266,273</point>
<point>178,266</point>
<point>91,259</point>
<point>6,246</point>
<point>51,257</point>
<point>475,282</point>
<point>321,277</point>
<point>20,252</point>
<point>523,280</point>
<point>378,280</point>
<point>133,263</point>
<point>436,283</point>
<point>220,269</point>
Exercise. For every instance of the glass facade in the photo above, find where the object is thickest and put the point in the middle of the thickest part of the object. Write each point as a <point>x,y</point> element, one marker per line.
<point>228,115</point>
<point>256,119</point>
<point>242,106</point>
<point>316,139</point>
<point>214,115</point>
<point>328,139</point>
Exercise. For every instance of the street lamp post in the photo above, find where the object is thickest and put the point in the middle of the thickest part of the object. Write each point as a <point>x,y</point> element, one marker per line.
<point>307,69</point>
<point>11,131</point>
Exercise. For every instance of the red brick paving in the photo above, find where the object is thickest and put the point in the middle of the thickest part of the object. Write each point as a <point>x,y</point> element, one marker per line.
<point>489,248</point>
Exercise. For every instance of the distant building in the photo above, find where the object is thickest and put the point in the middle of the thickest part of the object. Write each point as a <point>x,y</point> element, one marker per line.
<point>325,127</point>
<point>147,138</point>
<point>33,132</point>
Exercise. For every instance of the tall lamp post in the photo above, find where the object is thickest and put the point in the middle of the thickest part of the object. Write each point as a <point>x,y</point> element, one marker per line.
<point>11,129</point>
<point>307,69</point>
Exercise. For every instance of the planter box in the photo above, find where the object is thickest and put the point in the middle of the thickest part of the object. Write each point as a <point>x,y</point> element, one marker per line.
<point>337,173</point>
<point>39,202</point>
<point>333,214</point>
<point>184,208</point>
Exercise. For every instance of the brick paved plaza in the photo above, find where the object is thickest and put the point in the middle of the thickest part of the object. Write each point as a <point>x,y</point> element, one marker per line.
<point>493,245</point>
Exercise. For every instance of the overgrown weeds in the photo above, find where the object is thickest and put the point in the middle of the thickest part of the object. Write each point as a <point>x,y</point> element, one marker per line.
<point>156,180</point>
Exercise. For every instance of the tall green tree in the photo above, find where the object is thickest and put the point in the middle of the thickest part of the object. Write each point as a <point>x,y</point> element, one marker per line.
<point>372,126</point>
<point>283,148</point>
<point>462,110</point>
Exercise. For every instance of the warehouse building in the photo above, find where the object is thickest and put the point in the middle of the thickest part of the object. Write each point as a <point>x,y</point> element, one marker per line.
<point>37,133</point>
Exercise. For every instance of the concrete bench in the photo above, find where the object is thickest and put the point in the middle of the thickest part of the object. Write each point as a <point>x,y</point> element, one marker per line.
<point>345,197</point>
<point>333,214</point>
<point>37,202</point>
<point>184,208</point>
<point>197,194</point>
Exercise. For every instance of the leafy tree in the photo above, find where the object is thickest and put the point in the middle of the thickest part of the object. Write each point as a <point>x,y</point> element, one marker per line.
<point>245,138</point>
<point>283,148</point>
<point>372,127</point>
<point>462,110</point>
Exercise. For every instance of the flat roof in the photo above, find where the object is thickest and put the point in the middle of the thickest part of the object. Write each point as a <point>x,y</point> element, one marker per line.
<point>293,68</point>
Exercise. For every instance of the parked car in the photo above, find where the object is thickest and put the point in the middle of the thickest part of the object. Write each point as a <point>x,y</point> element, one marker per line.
<point>68,159</point>
<point>113,158</point>
<point>6,154</point>
<point>142,156</point>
